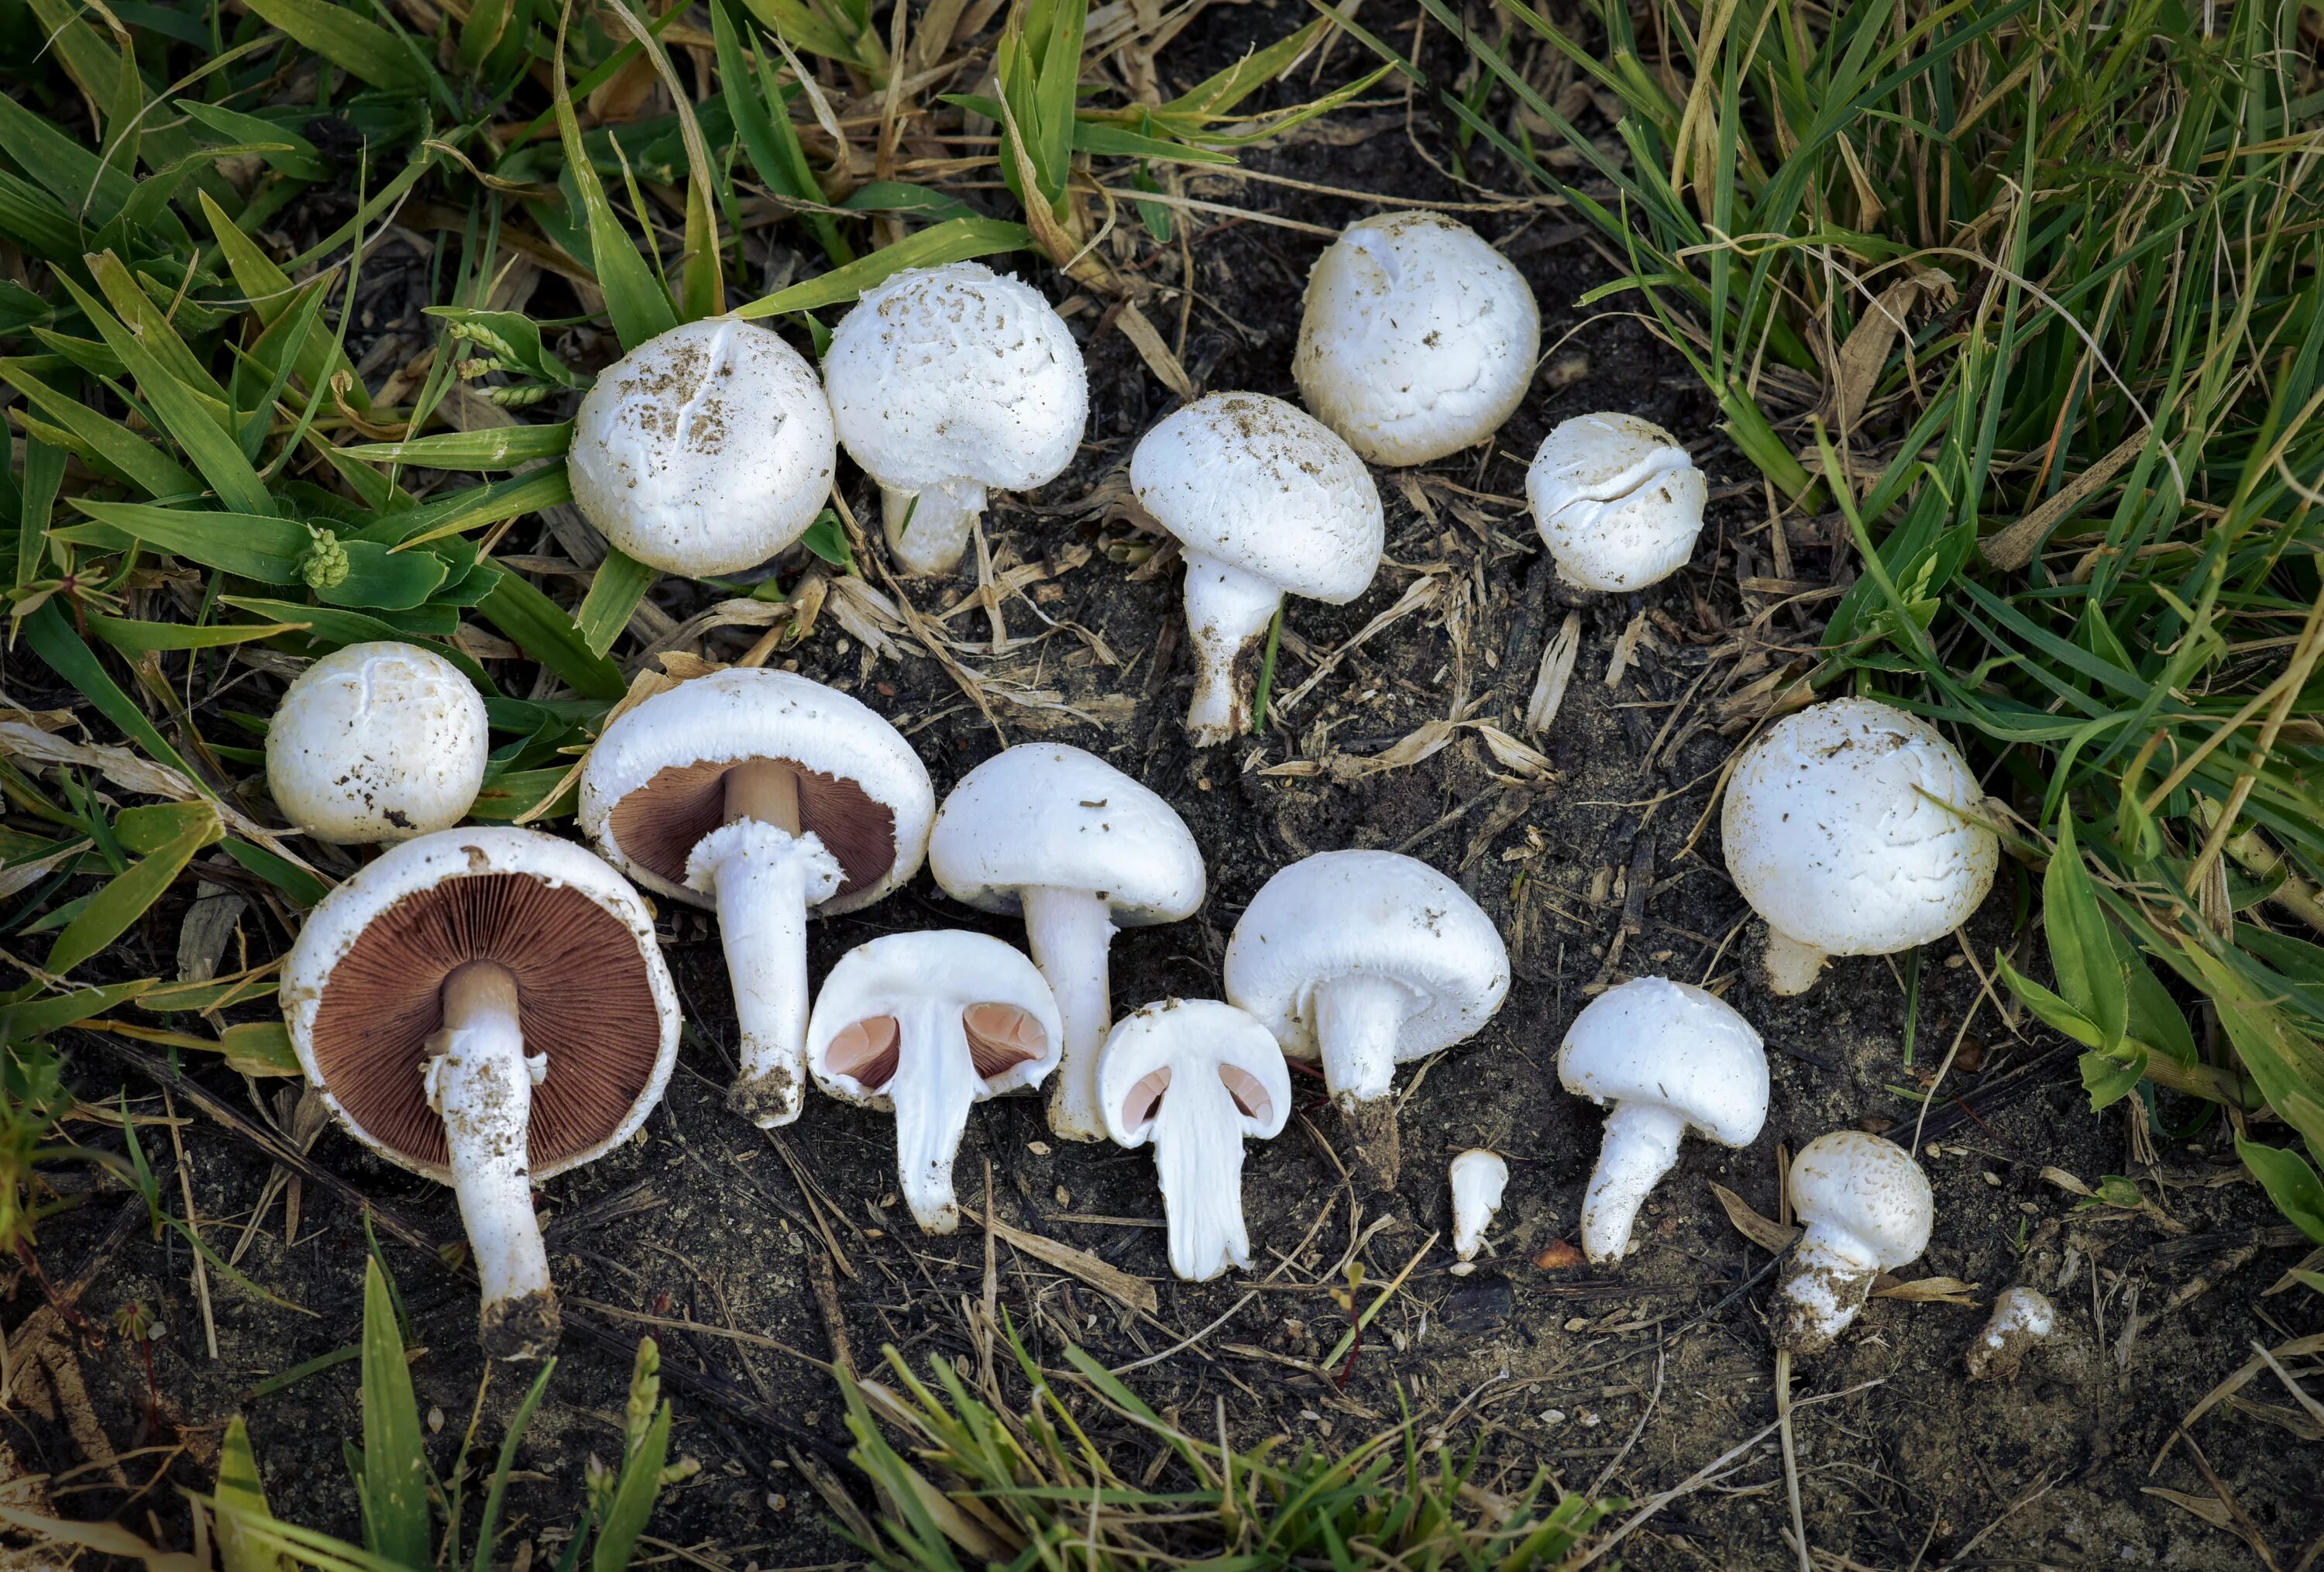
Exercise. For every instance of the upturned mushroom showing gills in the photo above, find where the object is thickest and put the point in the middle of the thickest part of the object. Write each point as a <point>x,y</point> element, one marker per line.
<point>1365,960</point>
<point>376,743</point>
<point>704,451</point>
<point>1417,339</point>
<point>1848,826</point>
<point>1081,850</point>
<point>1192,1078</point>
<point>1867,1208</point>
<point>1266,501</point>
<point>1669,1057</point>
<point>1619,502</point>
<point>925,1026</point>
<point>946,382</point>
<point>767,796</point>
<point>486,1007</point>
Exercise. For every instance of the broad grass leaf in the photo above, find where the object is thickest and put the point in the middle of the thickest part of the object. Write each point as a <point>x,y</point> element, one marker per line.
<point>88,187</point>
<point>542,628</point>
<point>44,472</point>
<point>241,1497</point>
<point>283,148</point>
<point>620,584</point>
<point>394,1483</point>
<point>271,294</point>
<point>526,794</point>
<point>472,508</point>
<point>2289,1183</point>
<point>2083,950</point>
<point>196,423</point>
<point>105,443</point>
<point>955,240</point>
<point>488,1526</point>
<point>385,580</point>
<point>495,448</point>
<point>2109,1077</point>
<point>248,545</point>
<point>39,1017</point>
<point>260,1048</point>
<point>125,898</point>
<point>53,640</point>
<point>640,307</point>
<point>356,44</point>
<point>133,637</point>
<point>633,1498</point>
<point>755,105</point>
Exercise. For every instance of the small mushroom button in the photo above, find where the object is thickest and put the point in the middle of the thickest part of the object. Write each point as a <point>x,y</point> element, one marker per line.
<point>376,743</point>
<point>1867,1208</point>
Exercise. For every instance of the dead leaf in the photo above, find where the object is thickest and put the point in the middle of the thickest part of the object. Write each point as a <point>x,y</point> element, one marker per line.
<point>2013,548</point>
<point>1142,334</point>
<point>1764,1232</point>
<point>1109,1280</point>
<point>1429,739</point>
<point>1926,1290</point>
<point>130,772</point>
<point>1556,671</point>
<point>1625,650</point>
<point>1866,353</point>
<point>2210,1508</point>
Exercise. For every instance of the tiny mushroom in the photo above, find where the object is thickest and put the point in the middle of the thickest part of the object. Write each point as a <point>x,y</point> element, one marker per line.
<point>377,743</point>
<point>946,381</point>
<point>1417,339</point>
<point>1193,1077</point>
<point>1848,826</point>
<point>1366,960</point>
<point>486,1007</point>
<point>2022,1317</point>
<point>1867,1208</point>
<point>1616,500</point>
<point>1479,1178</point>
<point>1080,849</point>
<point>1668,1055</point>
<point>706,450</point>
<point>924,1025</point>
<point>1265,501</point>
<point>768,795</point>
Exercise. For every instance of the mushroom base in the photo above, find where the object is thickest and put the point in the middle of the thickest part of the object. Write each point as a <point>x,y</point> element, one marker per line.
<point>524,1327</point>
<point>1374,1151</point>
<point>927,530</point>
<point>1792,967</point>
<point>1822,1289</point>
<point>1227,614</point>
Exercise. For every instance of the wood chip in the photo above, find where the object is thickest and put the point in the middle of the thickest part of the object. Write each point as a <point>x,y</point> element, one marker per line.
<point>1625,651</point>
<point>1556,671</point>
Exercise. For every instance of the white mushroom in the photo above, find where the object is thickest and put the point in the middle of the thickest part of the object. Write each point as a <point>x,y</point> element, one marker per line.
<point>1867,1208</point>
<point>1616,500</point>
<point>1081,850</point>
<point>2022,1317</point>
<point>1193,1077</point>
<point>1366,960</point>
<point>923,1026</point>
<point>704,451</point>
<point>770,796</point>
<point>1848,826</point>
<point>1266,502</point>
<point>376,743</point>
<point>1668,1057</point>
<point>945,382</point>
<point>486,1007</point>
<point>1417,339</point>
<point>1479,1178</point>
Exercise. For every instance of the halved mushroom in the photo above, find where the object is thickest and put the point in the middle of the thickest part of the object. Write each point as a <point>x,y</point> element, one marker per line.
<point>1080,848</point>
<point>923,1025</point>
<point>1366,960</point>
<point>1193,1077</point>
<point>486,1007</point>
<point>770,795</point>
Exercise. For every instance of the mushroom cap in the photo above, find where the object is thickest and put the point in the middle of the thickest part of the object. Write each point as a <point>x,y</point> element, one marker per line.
<point>1616,500</point>
<point>704,451</point>
<point>1262,485</point>
<point>1419,338</point>
<point>361,990</point>
<point>1654,1040</point>
<point>971,972</point>
<point>1147,1050</point>
<point>1044,813</point>
<point>1377,913</point>
<point>1840,828</point>
<point>655,782</point>
<point>956,373</point>
<point>1867,1189</point>
<point>377,742</point>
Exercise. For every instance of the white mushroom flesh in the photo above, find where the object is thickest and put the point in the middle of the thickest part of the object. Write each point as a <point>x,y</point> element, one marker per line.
<point>1479,1178</point>
<point>377,743</point>
<point>1618,502</point>
<point>2022,1317</point>
<point>1865,1207</point>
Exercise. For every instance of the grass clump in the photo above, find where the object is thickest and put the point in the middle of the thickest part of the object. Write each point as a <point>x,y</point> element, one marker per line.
<point>2018,305</point>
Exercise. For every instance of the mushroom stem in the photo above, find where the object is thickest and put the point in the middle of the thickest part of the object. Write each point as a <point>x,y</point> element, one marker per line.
<point>927,530</point>
<point>1197,1141</point>
<point>1641,1144</point>
<point>933,1088</point>
<point>1792,967</point>
<point>479,1081</point>
<point>1358,1017</point>
<point>765,876</point>
<point>1829,1278</point>
<point>1227,612</point>
<point>1069,932</point>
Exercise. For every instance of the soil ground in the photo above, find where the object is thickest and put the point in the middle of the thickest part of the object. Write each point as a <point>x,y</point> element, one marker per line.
<point>1603,864</point>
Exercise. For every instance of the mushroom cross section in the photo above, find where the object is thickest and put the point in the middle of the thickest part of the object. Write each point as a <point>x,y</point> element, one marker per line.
<point>377,742</point>
<point>486,1007</point>
<point>1080,849</point>
<point>1417,339</point>
<point>945,382</point>
<point>1669,1057</point>
<point>1865,1208</point>
<point>705,449</point>
<point>1618,502</point>
<point>1848,826</point>
<point>1365,960</point>
<point>1192,1077</point>
<point>1266,501</point>
<point>769,796</point>
<point>923,1026</point>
